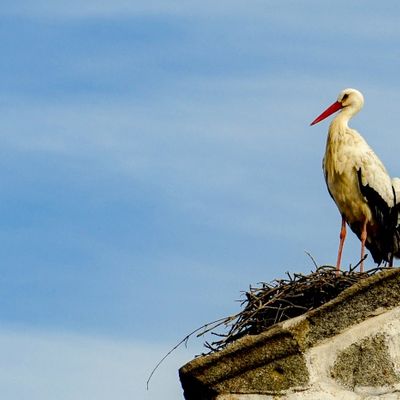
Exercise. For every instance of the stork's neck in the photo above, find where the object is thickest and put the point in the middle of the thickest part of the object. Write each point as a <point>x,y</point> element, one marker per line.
<point>338,126</point>
<point>340,123</point>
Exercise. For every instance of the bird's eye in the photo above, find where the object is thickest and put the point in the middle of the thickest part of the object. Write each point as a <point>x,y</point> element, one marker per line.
<point>345,96</point>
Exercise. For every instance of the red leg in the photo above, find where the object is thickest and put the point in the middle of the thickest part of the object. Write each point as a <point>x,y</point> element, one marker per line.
<point>341,243</point>
<point>363,239</point>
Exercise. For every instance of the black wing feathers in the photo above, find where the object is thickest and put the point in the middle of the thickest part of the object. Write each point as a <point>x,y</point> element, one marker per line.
<point>387,244</point>
<point>380,209</point>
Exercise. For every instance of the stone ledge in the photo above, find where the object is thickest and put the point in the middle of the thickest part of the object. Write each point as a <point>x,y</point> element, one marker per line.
<point>283,359</point>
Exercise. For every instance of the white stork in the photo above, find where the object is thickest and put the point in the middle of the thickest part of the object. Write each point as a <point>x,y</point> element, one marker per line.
<point>360,185</point>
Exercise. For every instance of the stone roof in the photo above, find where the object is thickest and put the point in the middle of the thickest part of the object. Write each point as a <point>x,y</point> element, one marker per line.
<point>348,348</point>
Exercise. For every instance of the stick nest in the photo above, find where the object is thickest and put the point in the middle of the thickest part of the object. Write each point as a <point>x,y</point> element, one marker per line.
<point>282,299</point>
<point>279,300</point>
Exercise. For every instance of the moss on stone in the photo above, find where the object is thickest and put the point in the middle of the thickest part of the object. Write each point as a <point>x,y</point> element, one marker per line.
<point>275,377</point>
<point>257,364</point>
<point>366,363</point>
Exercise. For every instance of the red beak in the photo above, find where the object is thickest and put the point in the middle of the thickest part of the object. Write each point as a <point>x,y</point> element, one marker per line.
<point>330,110</point>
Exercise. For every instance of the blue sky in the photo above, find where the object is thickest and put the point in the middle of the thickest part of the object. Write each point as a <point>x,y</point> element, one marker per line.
<point>156,158</point>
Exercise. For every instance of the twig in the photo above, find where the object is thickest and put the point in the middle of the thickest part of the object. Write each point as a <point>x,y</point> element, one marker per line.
<point>312,259</point>
<point>184,340</point>
<point>355,267</point>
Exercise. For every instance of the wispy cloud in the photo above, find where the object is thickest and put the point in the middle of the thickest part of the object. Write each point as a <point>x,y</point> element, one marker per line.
<point>45,365</point>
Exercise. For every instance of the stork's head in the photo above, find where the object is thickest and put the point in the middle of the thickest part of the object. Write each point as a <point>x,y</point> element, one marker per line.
<point>350,100</point>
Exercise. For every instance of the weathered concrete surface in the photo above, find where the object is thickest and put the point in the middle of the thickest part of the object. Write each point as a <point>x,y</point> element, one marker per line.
<point>348,348</point>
